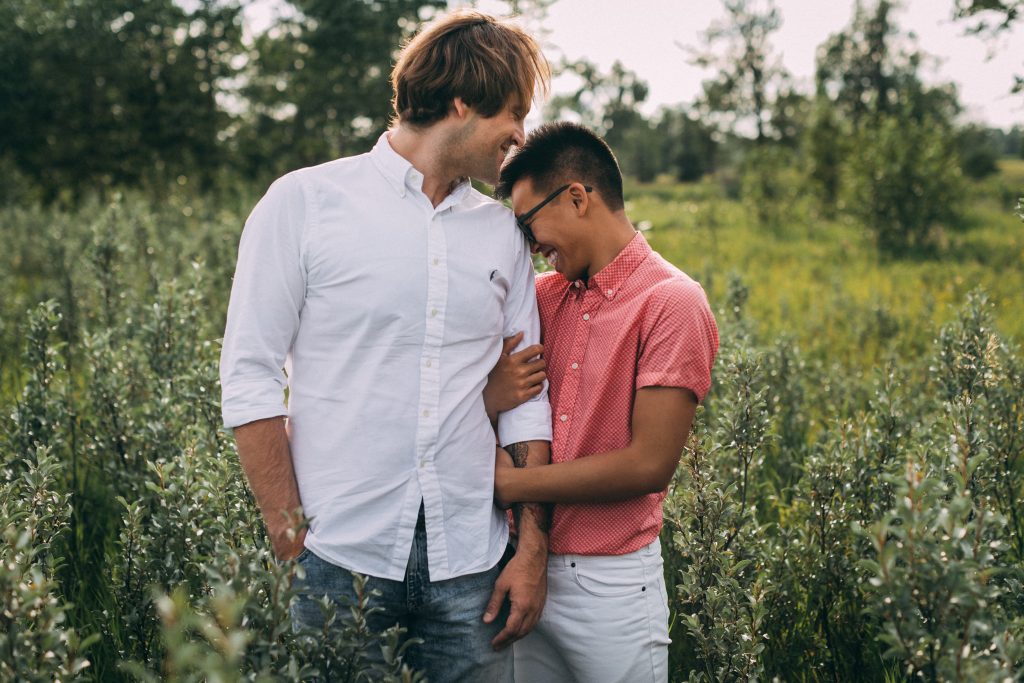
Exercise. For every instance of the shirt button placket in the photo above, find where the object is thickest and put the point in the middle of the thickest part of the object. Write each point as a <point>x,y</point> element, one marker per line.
<point>437,292</point>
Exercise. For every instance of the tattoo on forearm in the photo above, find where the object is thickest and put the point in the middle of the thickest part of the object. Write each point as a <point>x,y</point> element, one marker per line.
<point>540,513</point>
<point>518,451</point>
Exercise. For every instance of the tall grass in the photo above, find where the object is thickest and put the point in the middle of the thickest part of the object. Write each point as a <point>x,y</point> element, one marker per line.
<point>848,508</point>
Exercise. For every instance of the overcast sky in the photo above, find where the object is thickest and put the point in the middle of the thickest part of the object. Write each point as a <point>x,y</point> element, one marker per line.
<point>644,35</point>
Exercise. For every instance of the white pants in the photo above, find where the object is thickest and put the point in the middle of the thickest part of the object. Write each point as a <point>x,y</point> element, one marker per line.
<point>605,620</point>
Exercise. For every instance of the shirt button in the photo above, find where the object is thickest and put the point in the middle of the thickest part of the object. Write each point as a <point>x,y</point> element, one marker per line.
<point>423,463</point>
<point>433,313</point>
<point>609,292</point>
<point>429,363</point>
<point>563,418</point>
<point>575,366</point>
<point>436,261</point>
<point>586,316</point>
<point>426,413</point>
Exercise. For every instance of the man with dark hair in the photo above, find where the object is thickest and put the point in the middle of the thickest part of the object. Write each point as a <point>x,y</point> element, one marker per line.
<point>629,341</point>
<point>386,283</point>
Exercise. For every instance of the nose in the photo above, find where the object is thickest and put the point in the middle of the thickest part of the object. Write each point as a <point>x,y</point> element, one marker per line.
<point>519,134</point>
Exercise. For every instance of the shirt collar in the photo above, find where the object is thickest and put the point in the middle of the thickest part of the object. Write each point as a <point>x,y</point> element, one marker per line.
<point>610,279</point>
<point>403,176</point>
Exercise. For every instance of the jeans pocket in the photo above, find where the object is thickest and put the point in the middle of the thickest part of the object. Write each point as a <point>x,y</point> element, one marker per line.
<point>607,582</point>
<point>303,556</point>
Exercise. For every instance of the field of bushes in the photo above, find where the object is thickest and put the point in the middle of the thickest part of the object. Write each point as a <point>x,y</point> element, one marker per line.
<point>849,508</point>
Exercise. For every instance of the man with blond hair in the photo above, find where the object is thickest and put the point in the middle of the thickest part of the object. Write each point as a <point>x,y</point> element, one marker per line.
<point>384,284</point>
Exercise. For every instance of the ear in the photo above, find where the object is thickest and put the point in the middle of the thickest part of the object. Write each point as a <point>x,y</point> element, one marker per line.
<point>580,198</point>
<point>461,108</point>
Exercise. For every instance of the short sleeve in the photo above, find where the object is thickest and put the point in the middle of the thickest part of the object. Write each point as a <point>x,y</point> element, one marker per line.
<point>680,339</point>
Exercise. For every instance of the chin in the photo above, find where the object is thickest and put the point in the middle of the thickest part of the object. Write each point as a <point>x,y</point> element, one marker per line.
<point>489,177</point>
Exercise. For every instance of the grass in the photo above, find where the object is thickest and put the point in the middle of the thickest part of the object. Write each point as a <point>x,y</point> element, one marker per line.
<point>815,279</point>
<point>822,279</point>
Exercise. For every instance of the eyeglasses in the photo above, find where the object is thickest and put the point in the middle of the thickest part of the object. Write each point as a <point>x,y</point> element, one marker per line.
<point>522,220</point>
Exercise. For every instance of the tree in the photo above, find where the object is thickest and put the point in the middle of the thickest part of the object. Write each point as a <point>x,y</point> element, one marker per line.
<point>609,104</point>
<point>320,87</point>
<point>94,93</point>
<point>825,151</point>
<point>978,151</point>
<point>991,18</point>
<point>871,68</point>
<point>601,101</point>
<point>867,89</point>
<point>904,180</point>
<point>749,79</point>
<point>1004,11</point>
<point>688,145</point>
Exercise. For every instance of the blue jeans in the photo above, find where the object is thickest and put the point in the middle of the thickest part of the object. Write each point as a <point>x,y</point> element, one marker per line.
<point>446,615</point>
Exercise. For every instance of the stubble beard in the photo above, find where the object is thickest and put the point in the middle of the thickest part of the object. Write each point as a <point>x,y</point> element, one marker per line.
<point>462,160</point>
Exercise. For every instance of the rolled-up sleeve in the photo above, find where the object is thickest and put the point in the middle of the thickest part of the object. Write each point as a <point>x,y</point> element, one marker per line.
<point>530,421</point>
<point>267,295</point>
<point>680,339</point>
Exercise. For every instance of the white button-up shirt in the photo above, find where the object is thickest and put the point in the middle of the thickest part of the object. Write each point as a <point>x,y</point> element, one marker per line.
<point>386,314</point>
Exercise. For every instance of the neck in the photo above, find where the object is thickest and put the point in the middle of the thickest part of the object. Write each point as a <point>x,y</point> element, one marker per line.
<point>610,238</point>
<point>425,150</point>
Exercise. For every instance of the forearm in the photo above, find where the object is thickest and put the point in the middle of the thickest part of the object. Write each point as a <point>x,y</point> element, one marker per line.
<point>532,518</point>
<point>600,478</point>
<point>266,459</point>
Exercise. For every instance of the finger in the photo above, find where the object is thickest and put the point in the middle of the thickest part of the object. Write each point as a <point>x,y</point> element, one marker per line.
<point>530,392</point>
<point>528,353</point>
<point>494,604</point>
<point>512,631</point>
<point>536,379</point>
<point>509,343</point>
<point>534,366</point>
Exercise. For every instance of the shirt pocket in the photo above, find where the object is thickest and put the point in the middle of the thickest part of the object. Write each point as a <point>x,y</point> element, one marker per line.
<point>476,301</point>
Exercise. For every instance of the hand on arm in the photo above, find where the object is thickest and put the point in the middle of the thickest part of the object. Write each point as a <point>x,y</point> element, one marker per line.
<point>516,378</point>
<point>661,421</point>
<point>524,579</point>
<point>266,458</point>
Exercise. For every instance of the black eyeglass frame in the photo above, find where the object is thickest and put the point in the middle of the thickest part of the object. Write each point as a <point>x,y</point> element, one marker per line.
<point>522,220</point>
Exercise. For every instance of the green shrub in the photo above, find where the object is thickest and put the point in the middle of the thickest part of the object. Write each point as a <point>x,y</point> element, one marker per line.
<point>903,181</point>
<point>846,386</point>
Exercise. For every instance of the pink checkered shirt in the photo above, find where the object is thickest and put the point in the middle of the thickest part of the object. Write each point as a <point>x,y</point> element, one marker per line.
<point>638,322</point>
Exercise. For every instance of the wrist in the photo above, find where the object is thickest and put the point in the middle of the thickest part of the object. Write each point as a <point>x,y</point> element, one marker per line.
<point>532,541</point>
<point>534,555</point>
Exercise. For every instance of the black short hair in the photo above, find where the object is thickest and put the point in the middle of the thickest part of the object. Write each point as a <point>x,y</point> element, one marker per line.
<point>564,152</point>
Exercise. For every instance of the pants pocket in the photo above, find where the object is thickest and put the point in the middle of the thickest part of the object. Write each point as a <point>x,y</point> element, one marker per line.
<point>610,582</point>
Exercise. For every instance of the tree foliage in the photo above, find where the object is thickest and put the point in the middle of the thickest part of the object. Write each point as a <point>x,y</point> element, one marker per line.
<point>749,78</point>
<point>95,93</point>
<point>320,86</point>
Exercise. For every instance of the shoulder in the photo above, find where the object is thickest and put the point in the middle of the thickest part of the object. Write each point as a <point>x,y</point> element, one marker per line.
<point>672,289</point>
<point>550,281</point>
<point>311,178</point>
<point>353,167</point>
<point>551,288</point>
<point>487,208</point>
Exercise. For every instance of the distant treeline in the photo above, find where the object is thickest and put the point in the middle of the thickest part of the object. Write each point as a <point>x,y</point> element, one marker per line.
<point>97,94</point>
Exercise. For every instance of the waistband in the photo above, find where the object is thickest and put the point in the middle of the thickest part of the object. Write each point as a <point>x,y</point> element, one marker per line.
<point>646,554</point>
